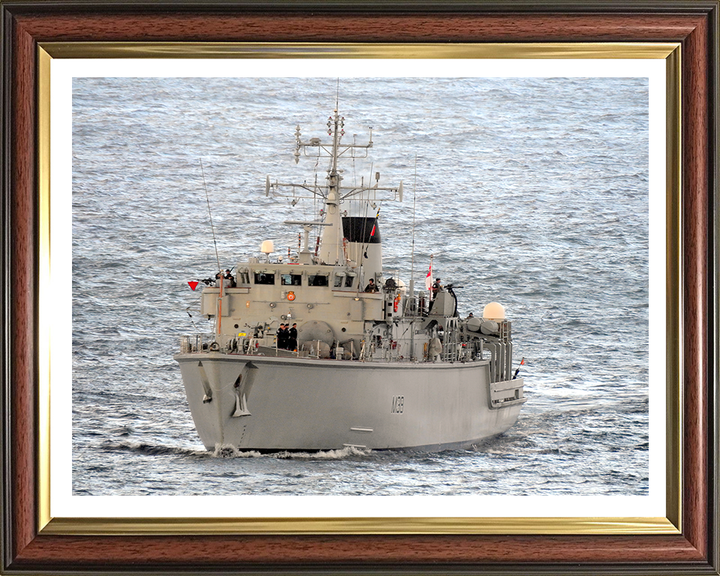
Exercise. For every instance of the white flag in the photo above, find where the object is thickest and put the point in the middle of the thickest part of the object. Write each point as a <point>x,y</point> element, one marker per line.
<point>428,278</point>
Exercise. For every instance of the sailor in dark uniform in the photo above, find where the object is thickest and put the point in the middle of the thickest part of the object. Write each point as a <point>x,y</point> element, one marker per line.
<point>292,338</point>
<point>436,287</point>
<point>434,290</point>
<point>282,336</point>
<point>371,287</point>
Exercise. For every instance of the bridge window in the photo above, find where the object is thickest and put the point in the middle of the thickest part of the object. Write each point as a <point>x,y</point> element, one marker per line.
<point>290,279</point>
<point>349,281</point>
<point>318,280</point>
<point>264,278</point>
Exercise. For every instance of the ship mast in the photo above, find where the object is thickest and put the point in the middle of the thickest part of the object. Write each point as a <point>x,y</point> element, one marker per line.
<point>331,247</point>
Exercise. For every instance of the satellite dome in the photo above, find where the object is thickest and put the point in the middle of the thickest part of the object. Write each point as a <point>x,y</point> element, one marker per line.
<point>494,311</point>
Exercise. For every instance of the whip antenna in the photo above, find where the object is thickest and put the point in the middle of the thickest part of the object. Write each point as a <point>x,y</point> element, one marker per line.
<point>412,251</point>
<point>412,270</point>
<point>212,227</point>
<point>412,259</point>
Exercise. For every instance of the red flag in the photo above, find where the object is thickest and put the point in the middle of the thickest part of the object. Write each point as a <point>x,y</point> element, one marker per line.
<point>428,278</point>
<point>193,285</point>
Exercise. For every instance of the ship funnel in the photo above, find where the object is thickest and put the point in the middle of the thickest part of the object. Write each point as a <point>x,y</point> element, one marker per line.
<point>267,247</point>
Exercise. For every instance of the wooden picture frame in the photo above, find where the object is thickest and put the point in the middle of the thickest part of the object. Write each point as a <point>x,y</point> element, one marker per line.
<point>691,546</point>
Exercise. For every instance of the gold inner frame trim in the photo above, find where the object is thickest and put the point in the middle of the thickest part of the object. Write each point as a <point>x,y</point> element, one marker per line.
<point>44,296</point>
<point>674,294</point>
<point>534,525</point>
<point>568,50</point>
<point>233,526</point>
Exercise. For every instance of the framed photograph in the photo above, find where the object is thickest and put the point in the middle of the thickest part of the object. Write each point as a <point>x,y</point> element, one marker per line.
<point>560,161</point>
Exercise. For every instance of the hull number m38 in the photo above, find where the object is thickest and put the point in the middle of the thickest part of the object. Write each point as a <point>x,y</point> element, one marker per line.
<point>398,405</point>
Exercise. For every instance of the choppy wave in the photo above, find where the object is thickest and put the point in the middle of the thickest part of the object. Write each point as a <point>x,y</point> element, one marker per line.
<point>150,449</point>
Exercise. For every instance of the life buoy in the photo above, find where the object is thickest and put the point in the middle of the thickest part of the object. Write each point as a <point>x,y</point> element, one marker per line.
<point>214,347</point>
<point>291,296</point>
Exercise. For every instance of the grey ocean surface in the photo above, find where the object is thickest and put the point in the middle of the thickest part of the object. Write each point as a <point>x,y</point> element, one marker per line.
<point>532,192</point>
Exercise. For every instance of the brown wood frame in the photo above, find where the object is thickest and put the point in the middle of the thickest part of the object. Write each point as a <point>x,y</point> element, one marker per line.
<point>693,23</point>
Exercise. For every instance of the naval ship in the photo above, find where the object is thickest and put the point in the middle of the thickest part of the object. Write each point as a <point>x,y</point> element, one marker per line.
<point>319,349</point>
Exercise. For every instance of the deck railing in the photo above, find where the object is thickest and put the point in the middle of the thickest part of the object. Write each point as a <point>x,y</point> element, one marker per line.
<point>200,343</point>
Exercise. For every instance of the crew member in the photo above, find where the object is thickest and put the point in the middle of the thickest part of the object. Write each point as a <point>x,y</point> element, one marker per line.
<point>371,287</point>
<point>292,338</point>
<point>435,288</point>
<point>282,334</point>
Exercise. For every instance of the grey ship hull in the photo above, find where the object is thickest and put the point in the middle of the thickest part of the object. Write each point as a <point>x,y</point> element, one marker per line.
<point>270,404</point>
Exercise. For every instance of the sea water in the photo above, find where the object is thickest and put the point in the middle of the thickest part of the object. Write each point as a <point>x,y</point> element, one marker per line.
<point>532,192</point>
